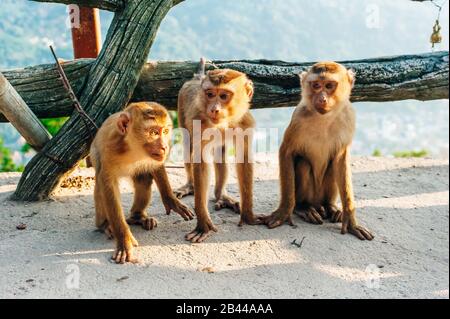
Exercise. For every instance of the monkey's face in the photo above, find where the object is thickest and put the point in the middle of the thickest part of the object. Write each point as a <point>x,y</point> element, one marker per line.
<point>323,95</point>
<point>218,104</point>
<point>326,85</point>
<point>157,142</point>
<point>227,95</point>
<point>147,126</point>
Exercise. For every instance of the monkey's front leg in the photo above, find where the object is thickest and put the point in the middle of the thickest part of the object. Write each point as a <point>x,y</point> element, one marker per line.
<point>120,230</point>
<point>205,226</point>
<point>344,181</point>
<point>168,197</point>
<point>223,200</point>
<point>142,196</point>
<point>245,178</point>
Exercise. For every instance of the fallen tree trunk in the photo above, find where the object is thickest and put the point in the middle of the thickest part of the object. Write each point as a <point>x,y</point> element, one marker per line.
<point>420,77</point>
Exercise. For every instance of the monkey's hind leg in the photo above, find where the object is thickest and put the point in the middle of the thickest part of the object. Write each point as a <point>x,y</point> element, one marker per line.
<point>223,200</point>
<point>101,222</point>
<point>142,196</point>
<point>188,188</point>
<point>306,208</point>
<point>330,194</point>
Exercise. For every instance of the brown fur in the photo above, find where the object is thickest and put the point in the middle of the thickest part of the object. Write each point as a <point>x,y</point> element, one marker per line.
<point>314,155</point>
<point>193,104</point>
<point>123,147</point>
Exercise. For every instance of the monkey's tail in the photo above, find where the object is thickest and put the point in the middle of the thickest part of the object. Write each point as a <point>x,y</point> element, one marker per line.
<point>201,71</point>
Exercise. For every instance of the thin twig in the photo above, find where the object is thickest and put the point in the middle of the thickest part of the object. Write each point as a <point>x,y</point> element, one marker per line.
<point>72,95</point>
<point>298,245</point>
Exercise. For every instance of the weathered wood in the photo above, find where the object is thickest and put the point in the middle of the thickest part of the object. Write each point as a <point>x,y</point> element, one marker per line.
<point>110,5</point>
<point>109,87</point>
<point>421,77</point>
<point>21,117</point>
<point>42,89</point>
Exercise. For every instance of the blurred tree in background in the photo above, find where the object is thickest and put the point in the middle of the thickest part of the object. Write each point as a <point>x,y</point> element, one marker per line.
<point>6,162</point>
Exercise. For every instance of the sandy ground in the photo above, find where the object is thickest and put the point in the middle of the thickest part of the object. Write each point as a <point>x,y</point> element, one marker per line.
<point>404,201</point>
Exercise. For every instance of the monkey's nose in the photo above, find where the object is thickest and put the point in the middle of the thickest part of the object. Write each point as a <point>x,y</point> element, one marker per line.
<point>214,114</point>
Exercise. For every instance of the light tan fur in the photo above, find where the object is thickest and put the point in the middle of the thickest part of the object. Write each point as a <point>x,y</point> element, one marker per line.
<point>133,144</point>
<point>194,104</point>
<point>314,156</point>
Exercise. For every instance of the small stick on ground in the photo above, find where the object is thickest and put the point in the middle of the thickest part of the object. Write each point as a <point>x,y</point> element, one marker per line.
<point>298,245</point>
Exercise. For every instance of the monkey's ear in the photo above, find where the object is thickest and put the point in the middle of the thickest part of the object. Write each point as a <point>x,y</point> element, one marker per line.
<point>303,76</point>
<point>351,77</point>
<point>249,87</point>
<point>123,123</point>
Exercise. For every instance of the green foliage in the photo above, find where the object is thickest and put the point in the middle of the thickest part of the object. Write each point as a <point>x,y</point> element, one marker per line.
<point>6,162</point>
<point>52,125</point>
<point>377,153</point>
<point>408,154</point>
<point>174,116</point>
<point>178,136</point>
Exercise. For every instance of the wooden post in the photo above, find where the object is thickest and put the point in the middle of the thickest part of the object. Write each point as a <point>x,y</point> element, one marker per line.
<point>21,117</point>
<point>86,40</point>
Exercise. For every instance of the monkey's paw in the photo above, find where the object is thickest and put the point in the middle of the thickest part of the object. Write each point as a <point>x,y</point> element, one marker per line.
<point>311,215</point>
<point>250,219</point>
<point>184,191</point>
<point>360,232</point>
<point>201,232</point>
<point>226,201</point>
<point>277,219</point>
<point>333,214</point>
<point>178,207</point>
<point>148,223</point>
<point>124,251</point>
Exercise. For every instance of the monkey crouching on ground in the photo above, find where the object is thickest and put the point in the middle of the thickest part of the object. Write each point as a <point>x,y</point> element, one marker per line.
<point>315,154</point>
<point>134,144</point>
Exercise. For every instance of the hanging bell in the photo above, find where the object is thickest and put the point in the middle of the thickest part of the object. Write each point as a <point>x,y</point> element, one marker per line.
<point>436,36</point>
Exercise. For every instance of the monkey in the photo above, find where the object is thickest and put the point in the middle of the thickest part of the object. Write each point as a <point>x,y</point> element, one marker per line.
<point>219,100</point>
<point>132,144</point>
<point>314,157</point>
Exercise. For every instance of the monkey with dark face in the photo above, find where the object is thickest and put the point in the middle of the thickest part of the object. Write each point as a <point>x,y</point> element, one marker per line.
<point>218,101</point>
<point>133,144</point>
<point>315,154</point>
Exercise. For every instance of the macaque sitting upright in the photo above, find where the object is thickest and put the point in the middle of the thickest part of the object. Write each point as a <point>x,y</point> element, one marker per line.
<point>135,144</point>
<point>315,153</point>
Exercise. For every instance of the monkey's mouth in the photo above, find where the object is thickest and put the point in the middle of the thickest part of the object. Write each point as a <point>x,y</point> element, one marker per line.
<point>215,120</point>
<point>158,156</point>
<point>322,110</point>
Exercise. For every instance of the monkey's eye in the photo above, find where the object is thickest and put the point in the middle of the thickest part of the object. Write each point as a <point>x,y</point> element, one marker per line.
<point>166,131</point>
<point>316,86</point>
<point>224,97</point>
<point>330,86</point>
<point>210,94</point>
<point>154,133</point>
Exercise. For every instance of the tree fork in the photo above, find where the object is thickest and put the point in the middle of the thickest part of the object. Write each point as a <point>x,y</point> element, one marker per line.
<point>109,86</point>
